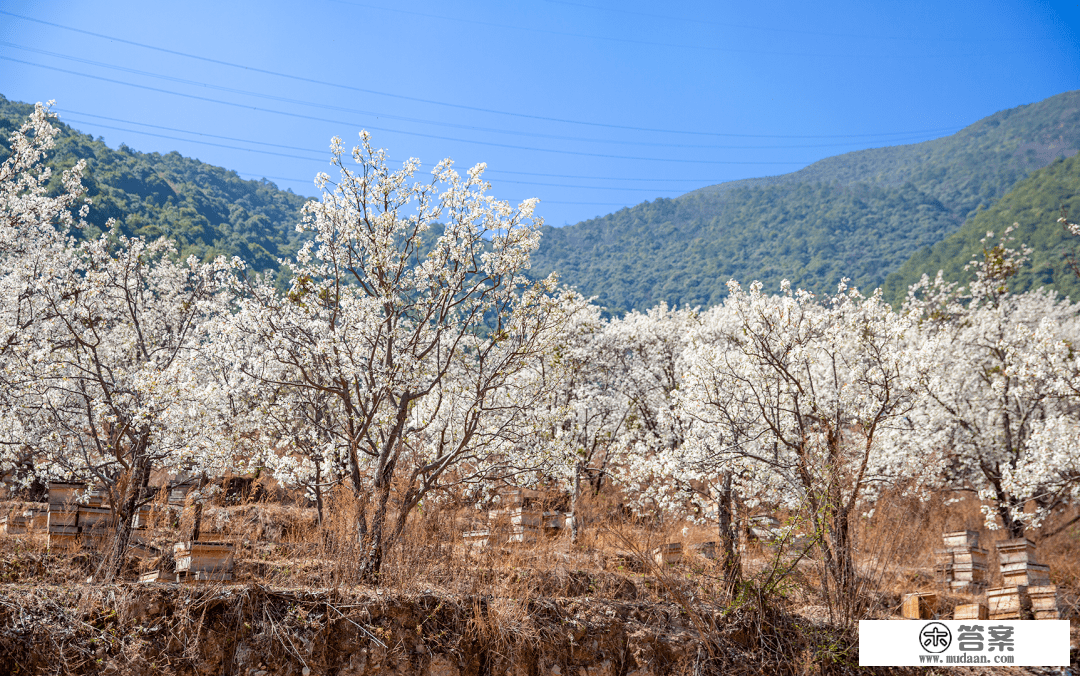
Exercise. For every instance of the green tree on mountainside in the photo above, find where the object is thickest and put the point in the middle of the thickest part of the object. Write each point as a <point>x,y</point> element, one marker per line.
<point>206,209</point>
<point>1034,205</point>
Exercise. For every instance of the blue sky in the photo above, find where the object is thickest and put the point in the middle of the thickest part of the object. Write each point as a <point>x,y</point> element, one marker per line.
<point>589,105</point>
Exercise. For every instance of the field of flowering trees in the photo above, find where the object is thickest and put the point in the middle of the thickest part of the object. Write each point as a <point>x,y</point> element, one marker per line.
<point>410,362</point>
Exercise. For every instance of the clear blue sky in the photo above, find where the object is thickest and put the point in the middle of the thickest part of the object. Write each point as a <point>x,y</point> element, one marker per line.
<point>589,105</point>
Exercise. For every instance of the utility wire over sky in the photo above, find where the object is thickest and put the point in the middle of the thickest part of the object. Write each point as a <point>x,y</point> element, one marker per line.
<point>581,104</point>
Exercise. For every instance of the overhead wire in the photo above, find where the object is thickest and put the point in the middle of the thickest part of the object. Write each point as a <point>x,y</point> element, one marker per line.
<point>493,111</point>
<point>398,131</point>
<point>284,99</point>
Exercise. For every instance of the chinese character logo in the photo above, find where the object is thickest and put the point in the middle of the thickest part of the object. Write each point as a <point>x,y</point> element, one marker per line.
<point>1001,638</point>
<point>935,637</point>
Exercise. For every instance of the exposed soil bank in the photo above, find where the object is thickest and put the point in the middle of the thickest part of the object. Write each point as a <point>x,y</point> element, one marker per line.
<point>257,631</point>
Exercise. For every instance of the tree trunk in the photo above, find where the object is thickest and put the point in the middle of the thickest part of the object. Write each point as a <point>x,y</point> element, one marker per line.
<point>575,497</point>
<point>729,543</point>
<point>113,564</point>
<point>373,547</point>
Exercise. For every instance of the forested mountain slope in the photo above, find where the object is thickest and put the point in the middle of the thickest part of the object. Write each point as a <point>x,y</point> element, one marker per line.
<point>206,209</point>
<point>1034,204</point>
<point>859,215</point>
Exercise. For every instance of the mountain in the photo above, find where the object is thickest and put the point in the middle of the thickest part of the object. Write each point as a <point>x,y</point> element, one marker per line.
<point>859,215</point>
<point>206,209</point>
<point>1034,205</point>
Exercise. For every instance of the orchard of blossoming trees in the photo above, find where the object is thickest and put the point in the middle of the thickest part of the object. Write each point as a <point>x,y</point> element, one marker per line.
<point>410,359</point>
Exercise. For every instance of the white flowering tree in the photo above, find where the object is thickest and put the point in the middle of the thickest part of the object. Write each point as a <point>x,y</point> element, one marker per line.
<point>34,248</point>
<point>997,404</point>
<point>789,395</point>
<point>114,389</point>
<point>404,341</point>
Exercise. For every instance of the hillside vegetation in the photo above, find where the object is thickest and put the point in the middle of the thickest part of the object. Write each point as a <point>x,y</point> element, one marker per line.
<point>859,215</point>
<point>1035,206</point>
<point>206,209</point>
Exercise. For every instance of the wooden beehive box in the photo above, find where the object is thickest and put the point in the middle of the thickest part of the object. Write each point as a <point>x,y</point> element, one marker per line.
<point>971,611</point>
<point>520,533</point>
<point>38,516</point>
<point>1007,603</point>
<point>210,557</point>
<point>668,553</point>
<point>704,549</point>
<point>961,539</point>
<point>972,556</point>
<point>202,576</point>
<point>1020,550</point>
<point>1025,574</point>
<point>476,538</point>
<point>64,538</point>
<point>919,606</point>
<point>61,493</point>
<point>1044,603</point>
<point>156,576</point>
<point>62,517</point>
<point>525,517</point>
<point>95,518</point>
<point>14,524</point>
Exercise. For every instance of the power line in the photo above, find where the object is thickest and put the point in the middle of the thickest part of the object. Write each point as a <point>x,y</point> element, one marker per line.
<point>705,181</point>
<point>396,131</point>
<point>301,102</point>
<point>269,152</point>
<point>440,103</point>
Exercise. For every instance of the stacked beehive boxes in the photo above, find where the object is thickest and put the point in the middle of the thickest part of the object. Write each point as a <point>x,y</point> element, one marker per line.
<point>203,561</point>
<point>961,564</point>
<point>63,515</point>
<point>1018,564</point>
<point>1044,604</point>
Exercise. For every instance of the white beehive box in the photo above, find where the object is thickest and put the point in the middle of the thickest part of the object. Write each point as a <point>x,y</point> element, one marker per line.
<point>209,557</point>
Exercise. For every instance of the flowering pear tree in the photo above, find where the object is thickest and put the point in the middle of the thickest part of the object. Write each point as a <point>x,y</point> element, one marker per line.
<point>34,248</point>
<point>112,387</point>
<point>405,337</point>
<point>790,394</point>
<point>996,402</point>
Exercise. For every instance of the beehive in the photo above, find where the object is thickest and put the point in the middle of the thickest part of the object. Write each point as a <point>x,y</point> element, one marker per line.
<point>971,611</point>
<point>1044,603</point>
<point>668,553</point>
<point>1025,574</point>
<point>919,606</point>
<point>61,493</point>
<point>209,557</point>
<point>1007,603</point>
<point>1020,550</point>
<point>704,549</point>
<point>961,539</point>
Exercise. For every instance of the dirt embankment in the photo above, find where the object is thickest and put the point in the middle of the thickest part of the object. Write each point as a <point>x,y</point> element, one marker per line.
<point>253,630</point>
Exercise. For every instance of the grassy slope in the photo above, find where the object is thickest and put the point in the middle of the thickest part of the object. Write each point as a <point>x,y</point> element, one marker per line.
<point>859,215</point>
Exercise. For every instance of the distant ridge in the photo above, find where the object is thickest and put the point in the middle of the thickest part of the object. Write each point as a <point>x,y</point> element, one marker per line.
<point>208,210</point>
<point>859,215</point>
